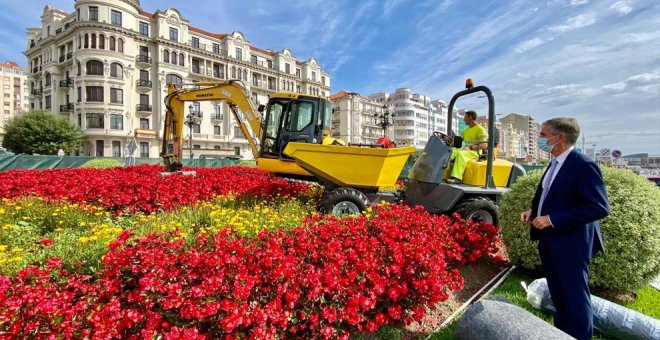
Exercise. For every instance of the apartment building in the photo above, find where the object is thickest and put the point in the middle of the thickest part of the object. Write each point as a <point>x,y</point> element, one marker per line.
<point>106,67</point>
<point>530,130</point>
<point>356,119</point>
<point>14,92</point>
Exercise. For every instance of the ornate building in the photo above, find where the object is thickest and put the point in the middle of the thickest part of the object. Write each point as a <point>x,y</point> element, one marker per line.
<point>354,118</point>
<point>106,67</point>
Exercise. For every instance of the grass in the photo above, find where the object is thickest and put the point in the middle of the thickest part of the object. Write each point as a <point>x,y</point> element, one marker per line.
<point>511,289</point>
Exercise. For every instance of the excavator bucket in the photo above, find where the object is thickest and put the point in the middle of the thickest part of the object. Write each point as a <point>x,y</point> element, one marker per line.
<point>349,166</point>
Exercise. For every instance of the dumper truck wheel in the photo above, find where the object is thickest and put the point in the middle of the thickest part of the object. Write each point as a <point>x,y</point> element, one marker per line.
<point>479,209</point>
<point>344,201</point>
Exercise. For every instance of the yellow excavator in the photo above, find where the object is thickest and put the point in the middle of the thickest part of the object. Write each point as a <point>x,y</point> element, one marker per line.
<point>286,137</point>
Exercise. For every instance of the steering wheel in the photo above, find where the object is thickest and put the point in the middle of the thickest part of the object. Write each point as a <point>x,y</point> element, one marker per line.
<point>444,137</point>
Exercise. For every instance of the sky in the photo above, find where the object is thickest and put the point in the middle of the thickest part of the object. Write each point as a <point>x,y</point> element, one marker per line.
<point>595,60</point>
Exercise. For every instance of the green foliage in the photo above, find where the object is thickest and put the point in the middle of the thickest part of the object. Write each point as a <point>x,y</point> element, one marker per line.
<point>631,233</point>
<point>40,132</point>
<point>101,163</point>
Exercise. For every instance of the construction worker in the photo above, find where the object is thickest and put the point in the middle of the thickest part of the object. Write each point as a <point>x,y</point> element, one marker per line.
<point>475,139</point>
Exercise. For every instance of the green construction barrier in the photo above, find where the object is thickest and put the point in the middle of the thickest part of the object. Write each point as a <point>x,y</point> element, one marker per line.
<point>12,162</point>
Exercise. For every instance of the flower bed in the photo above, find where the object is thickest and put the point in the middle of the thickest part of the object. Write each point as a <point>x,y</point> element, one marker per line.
<point>225,268</point>
<point>141,188</point>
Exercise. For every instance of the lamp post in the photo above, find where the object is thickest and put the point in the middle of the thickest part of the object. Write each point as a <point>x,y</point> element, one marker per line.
<point>193,118</point>
<point>383,119</point>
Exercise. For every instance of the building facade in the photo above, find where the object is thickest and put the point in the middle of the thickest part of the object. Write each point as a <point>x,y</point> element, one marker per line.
<point>355,118</point>
<point>530,130</point>
<point>14,93</point>
<point>106,67</point>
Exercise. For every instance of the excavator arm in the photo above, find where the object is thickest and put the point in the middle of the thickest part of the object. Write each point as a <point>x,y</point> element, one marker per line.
<point>231,92</point>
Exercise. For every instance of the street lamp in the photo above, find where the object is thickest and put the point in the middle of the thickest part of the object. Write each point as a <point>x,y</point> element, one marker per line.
<point>383,119</point>
<point>193,118</point>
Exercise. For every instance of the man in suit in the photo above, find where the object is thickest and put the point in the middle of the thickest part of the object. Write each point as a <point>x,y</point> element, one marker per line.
<point>567,205</point>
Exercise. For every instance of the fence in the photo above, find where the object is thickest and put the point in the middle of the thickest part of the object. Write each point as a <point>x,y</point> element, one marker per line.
<point>11,162</point>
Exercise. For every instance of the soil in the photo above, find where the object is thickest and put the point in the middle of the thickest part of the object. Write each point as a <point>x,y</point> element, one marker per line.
<point>476,276</point>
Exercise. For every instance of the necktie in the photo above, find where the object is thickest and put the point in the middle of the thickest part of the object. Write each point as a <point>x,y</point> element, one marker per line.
<point>547,180</point>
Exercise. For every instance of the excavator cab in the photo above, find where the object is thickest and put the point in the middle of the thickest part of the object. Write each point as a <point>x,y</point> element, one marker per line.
<point>291,118</point>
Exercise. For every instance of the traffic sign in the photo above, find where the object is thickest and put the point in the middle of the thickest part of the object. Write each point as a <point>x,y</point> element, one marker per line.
<point>616,153</point>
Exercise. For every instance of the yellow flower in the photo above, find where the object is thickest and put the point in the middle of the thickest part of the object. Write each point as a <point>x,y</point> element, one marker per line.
<point>16,250</point>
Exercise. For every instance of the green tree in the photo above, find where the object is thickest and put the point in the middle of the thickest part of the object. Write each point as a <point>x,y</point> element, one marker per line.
<point>41,133</point>
<point>631,232</point>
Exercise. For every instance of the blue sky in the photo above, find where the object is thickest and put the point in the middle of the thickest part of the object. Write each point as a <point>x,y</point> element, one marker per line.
<point>595,60</point>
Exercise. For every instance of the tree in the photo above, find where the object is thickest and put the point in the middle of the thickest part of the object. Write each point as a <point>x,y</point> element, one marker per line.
<point>41,133</point>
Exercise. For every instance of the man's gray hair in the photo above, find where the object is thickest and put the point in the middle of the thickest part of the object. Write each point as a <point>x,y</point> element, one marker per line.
<point>567,126</point>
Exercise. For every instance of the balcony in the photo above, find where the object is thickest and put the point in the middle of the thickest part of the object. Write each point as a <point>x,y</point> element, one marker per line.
<point>62,58</point>
<point>37,92</point>
<point>143,60</point>
<point>143,85</point>
<point>65,83</point>
<point>196,69</point>
<point>145,133</point>
<point>69,55</point>
<point>218,74</point>
<point>143,110</point>
<point>216,117</point>
<point>66,107</point>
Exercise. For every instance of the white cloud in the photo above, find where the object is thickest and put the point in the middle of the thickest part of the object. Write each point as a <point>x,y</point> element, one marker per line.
<point>622,7</point>
<point>582,20</point>
<point>529,44</point>
<point>578,2</point>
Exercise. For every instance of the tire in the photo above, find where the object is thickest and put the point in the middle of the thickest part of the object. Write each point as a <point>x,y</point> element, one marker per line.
<point>479,209</point>
<point>344,201</point>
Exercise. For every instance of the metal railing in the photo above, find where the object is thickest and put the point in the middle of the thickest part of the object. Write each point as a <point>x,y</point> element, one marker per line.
<point>143,107</point>
<point>66,82</point>
<point>143,59</point>
<point>143,83</point>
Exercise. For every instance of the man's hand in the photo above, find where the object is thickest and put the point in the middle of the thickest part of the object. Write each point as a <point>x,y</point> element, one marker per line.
<point>524,217</point>
<point>541,222</point>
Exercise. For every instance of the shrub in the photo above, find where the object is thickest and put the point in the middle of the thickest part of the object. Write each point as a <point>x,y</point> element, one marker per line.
<point>101,163</point>
<point>631,232</point>
<point>41,133</point>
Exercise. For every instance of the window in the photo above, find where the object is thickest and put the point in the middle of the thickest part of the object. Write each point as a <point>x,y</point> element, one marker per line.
<point>239,53</point>
<point>144,29</point>
<point>116,71</point>
<point>245,76</point>
<point>300,117</point>
<point>217,130</point>
<point>216,48</point>
<point>233,72</point>
<point>181,59</point>
<point>116,122</point>
<point>93,40</point>
<point>93,13</point>
<point>313,75</point>
<point>48,80</point>
<point>94,68</point>
<point>113,43</point>
<point>144,123</point>
<point>94,93</point>
<point>237,132</point>
<point>166,56</point>
<point>197,146</point>
<point>144,99</point>
<point>287,68</point>
<point>173,79</point>
<point>94,121</point>
<point>116,148</point>
<point>144,149</point>
<point>174,34</point>
<point>253,59</point>
<point>116,96</point>
<point>48,101</point>
<point>115,17</point>
<point>102,41</point>
<point>323,80</point>
<point>120,45</point>
<point>79,94</point>
<point>195,42</point>
<point>86,40</point>
<point>196,128</point>
<point>174,57</point>
<point>270,63</point>
<point>297,73</point>
<point>144,75</point>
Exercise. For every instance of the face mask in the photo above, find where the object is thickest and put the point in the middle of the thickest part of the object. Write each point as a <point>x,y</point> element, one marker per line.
<point>543,144</point>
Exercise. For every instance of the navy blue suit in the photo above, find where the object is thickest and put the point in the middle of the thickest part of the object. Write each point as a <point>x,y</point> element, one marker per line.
<point>576,200</point>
